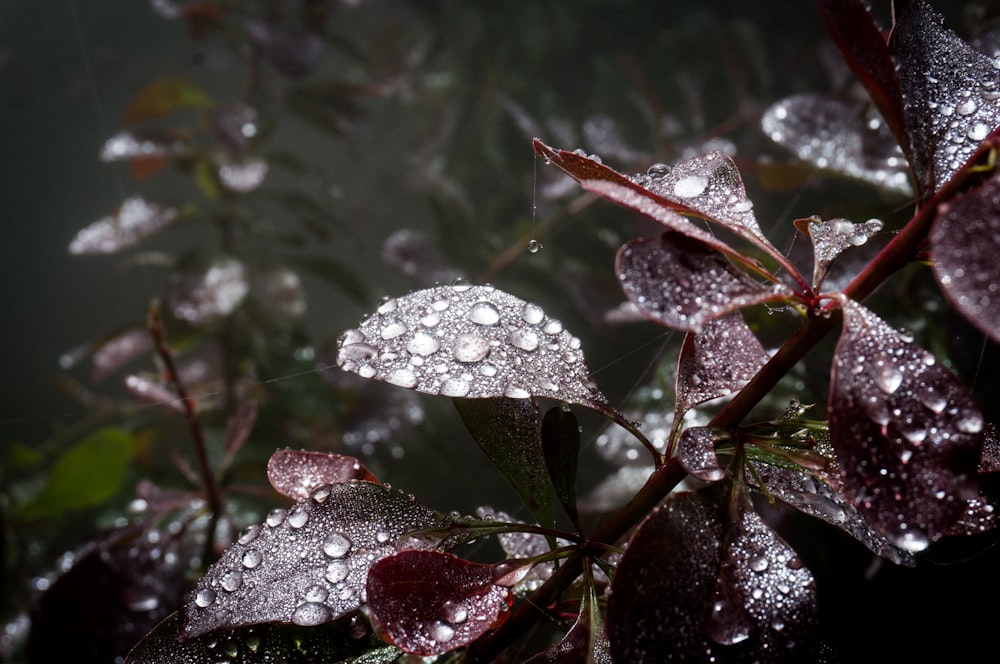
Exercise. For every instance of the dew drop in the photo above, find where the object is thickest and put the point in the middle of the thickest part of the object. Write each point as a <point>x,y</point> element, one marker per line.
<point>658,170</point>
<point>888,377</point>
<point>534,246</point>
<point>298,518</point>
<point>321,493</point>
<point>423,344</point>
<point>524,339</point>
<point>252,558</point>
<point>515,391</point>
<point>392,329</point>
<point>441,631</point>
<point>440,305</point>
<point>386,305</point>
<point>970,422</point>
<point>967,107</point>
<point>460,285</point>
<point>316,593</point>
<point>553,327</point>
<point>454,612</point>
<point>337,571</point>
<point>336,545</point>
<point>431,319</point>
<point>470,348</point>
<point>204,597</point>
<point>232,580</point>
<point>250,534</point>
<point>454,387</point>
<point>742,206</point>
<point>934,402</point>
<point>532,314</point>
<point>979,131</point>
<point>276,517</point>
<point>690,186</point>
<point>488,370</point>
<point>402,378</point>
<point>913,541</point>
<point>484,313</point>
<point>758,563</point>
<point>311,613</point>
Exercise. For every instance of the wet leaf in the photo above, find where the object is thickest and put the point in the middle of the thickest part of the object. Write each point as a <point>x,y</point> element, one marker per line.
<point>696,452</point>
<point>241,176</point>
<point>297,473</point>
<point>840,136</point>
<point>430,602</point>
<point>279,289</point>
<point>473,342</point>
<point>680,283</point>
<point>561,447</point>
<point>306,565</point>
<point>203,294</point>
<point>293,52</point>
<point>275,642</point>
<point>89,473</point>
<point>523,545</point>
<point>135,220</point>
<point>979,517</point>
<point>586,641</point>
<point>906,432</point>
<point>990,460</point>
<point>118,350</point>
<point>162,97</point>
<point>152,390</point>
<point>509,432</point>
<point>965,243</point>
<point>134,144</point>
<point>833,237</point>
<point>693,584</point>
<point>951,94</point>
<point>717,361</point>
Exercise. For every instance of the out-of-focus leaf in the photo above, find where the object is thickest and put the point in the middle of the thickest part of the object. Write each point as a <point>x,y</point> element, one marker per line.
<point>717,361</point>
<point>833,237</point>
<point>151,390</point>
<point>840,136</point>
<point>241,176</point>
<point>306,565</point>
<point>979,517</point>
<point>294,52</point>
<point>430,602</point>
<point>509,432</point>
<point>951,94</point>
<point>133,144</point>
<point>89,473</point>
<point>135,220</point>
<point>693,583</point>
<point>586,641</point>
<point>681,283</point>
<point>907,433</point>
<point>279,289</point>
<point>162,97</point>
<point>274,642</point>
<point>989,462</point>
<point>561,448</point>
<point>473,342</point>
<point>965,243</point>
<point>118,350</point>
<point>235,124</point>
<point>621,448</point>
<point>523,545</point>
<point>203,294</point>
<point>238,429</point>
<point>696,453</point>
<point>297,473</point>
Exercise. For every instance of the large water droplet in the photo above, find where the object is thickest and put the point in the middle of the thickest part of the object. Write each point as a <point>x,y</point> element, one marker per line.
<point>758,563</point>
<point>979,131</point>
<point>690,186</point>
<point>316,593</point>
<point>392,329</point>
<point>913,541</point>
<point>441,631</point>
<point>423,343</point>
<point>252,558</point>
<point>888,377</point>
<point>515,391</point>
<point>454,612</point>
<point>470,348</point>
<point>336,545</point>
<point>276,517</point>
<point>431,319</point>
<point>311,613</point>
<point>524,339</point>
<point>402,378</point>
<point>232,580</point>
<point>970,422</point>
<point>204,597</point>
<point>967,107</point>
<point>532,314</point>
<point>454,387</point>
<point>484,313</point>
<point>337,571</point>
<point>298,518</point>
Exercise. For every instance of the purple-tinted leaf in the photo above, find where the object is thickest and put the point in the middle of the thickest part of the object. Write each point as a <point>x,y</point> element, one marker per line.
<point>561,448</point>
<point>951,94</point>
<point>473,342</point>
<point>840,136</point>
<point>979,517</point>
<point>814,496</point>
<point>586,641</point>
<point>864,48</point>
<point>140,144</point>
<point>523,545</point>
<point>241,176</point>
<point>690,576</point>
<point>298,473</point>
<point>965,243</point>
<point>696,453</point>
<point>989,462</point>
<point>151,390</point>
<point>135,220</point>
<point>205,294</point>
<point>717,361</point>
<point>509,432</point>
<point>430,602</point>
<point>279,289</point>
<point>680,283</point>
<point>118,350</point>
<point>906,432</point>
<point>833,237</point>
<point>340,640</point>
<point>306,565</point>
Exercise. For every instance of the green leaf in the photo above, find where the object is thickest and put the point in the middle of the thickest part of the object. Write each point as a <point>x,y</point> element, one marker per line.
<point>162,97</point>
<point>509,431</point>
<point>87,474</point>
<point>561,447</point>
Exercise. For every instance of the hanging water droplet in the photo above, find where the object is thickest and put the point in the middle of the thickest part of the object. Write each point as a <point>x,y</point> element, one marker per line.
<point>337,571</point>
<point>423,344</point>
<point>970,422</point>
<point>321,493</point>
<point>524,339</point>
<point>336,545</point>
<point>298,518</point>
<point>514,391</point>
<point>470,348</point>
<point>232,580</point>
<point>534,246</point>
<point>888,377</point>
<point>933,401</point>
<point>311,613</point>
<point>252,558</point>
<point>484,313</point>
<point>204,597</point>
<point>276,517</point>
<point>690,186</point>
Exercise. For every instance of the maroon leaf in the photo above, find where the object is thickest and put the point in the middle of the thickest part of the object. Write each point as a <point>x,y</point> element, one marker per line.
<point>965,243</point>
<point>951,94</point>
<point>135,220</point>
<point>833,237</point>
<point>840,136</point>
<point>297,473</point>
<point>990,460</point>
<point>691,583</point>
<point>307,565</point>
<point>473,342</point>
<point>206,293</point>
<point>717,361</point>
<point>681,283</point>
<point>586,641</point>
<point>906,432</point>
<point>430,602</point>
<point>696,453</point>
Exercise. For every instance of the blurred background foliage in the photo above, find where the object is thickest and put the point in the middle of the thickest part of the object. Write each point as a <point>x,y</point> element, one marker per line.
<point>269,170</point>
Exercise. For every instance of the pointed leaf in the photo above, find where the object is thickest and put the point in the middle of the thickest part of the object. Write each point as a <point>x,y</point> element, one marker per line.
<point>430,602</point>
<point>306,565</point>
<point>680,283</point>
<point>586,641</point>
<point>473,342</point>
<point>664,602</point>
<point>151,390</point>
<point>951,94</point>
<point>833,237</point>
<point>135,220</point>
<point>164,97</point>
<point>840,136</point>
<point>561,447</point>
<point>906,432</point>
<point>203,294</point>
<point>696,452</point>
<point>509,432</point>
<point>717,361</point>
<point>523,545</point>
<point>297,473</point>
<point>965,243</point>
